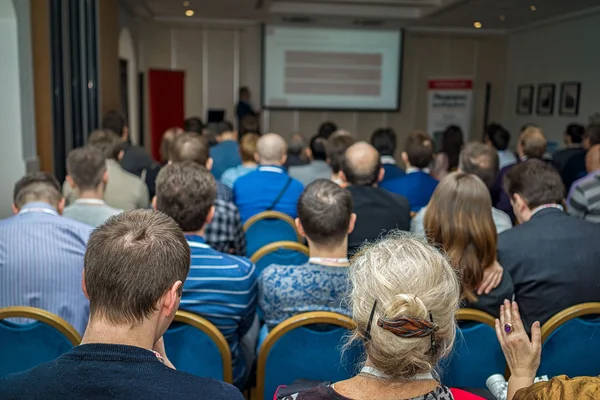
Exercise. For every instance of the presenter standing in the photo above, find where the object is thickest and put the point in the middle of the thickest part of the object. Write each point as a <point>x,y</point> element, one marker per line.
<point>243,107</point>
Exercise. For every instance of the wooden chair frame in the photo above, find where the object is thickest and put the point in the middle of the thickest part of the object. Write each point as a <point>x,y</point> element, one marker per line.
<point>45,317</point>
<point>212,332</point>
<point>273,215</point>
<point>566,315</point>
<point>271,247</point>
<point>297,321</point>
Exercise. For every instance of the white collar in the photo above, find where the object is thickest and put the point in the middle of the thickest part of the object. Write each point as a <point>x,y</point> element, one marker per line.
<point>95,202</point>
<point>271,168</point>
<point>411,170</point>
<point>389,160</point>
<point>544,206</point>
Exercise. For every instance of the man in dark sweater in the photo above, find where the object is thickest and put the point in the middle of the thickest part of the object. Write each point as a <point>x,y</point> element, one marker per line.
<point>134,269</point>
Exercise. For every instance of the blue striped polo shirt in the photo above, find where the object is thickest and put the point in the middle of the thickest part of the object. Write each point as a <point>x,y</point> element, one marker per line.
<point>222,288</point>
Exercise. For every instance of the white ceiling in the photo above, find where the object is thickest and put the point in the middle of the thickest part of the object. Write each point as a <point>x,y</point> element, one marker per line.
<point>495,15</point>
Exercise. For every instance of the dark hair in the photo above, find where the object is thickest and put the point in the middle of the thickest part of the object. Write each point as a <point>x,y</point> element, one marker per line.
<point>114,121</point>
<point>130,262</point>
<point>223,127</point>
<point>480,160</point>
<point>36,186</point>
<point>536,182</point>
<point>107,142</point>
<point>499,136</point>
<point>190,146</point>
<point>86,166</point>
<point>335,148</point>
<point>384,140</point>
<point>186,191</point>
<point>327,129</point>
<point>243,91</point>
<point>419,149</point>
<point>452,143</point>
<point>324,209</point>
<point>249,124</point>
<point>248,147</point>
<point>576,132</point>
<point>317,147</point>
<point>193,124</point>
<point>592,133</point>
<point>296,144</point>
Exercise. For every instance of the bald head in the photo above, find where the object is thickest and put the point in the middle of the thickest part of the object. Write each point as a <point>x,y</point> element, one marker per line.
<point>271,150</point>
<point>592,158</point>
<point>532,143</point>
<point>361,165</point>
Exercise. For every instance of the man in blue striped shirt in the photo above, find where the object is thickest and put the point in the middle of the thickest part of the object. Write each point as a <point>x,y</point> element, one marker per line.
<point>220,287</point>
<point>41,253</point>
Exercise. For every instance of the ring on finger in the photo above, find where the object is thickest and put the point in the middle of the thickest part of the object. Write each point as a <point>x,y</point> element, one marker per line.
<point>508,328</point>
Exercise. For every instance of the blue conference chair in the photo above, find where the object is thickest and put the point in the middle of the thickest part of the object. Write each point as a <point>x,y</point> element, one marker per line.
<point>570,342</point>
<point>477,353</point>
<point>268,227</point>
<point>23,346</point>
<point>197,347</point>
<point>308,346</point>
<point>282,253</point>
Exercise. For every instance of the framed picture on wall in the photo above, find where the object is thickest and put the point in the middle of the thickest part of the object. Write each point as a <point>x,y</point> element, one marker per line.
<point>524,99</point>
<point>569,99</point>
<point>545,99</point>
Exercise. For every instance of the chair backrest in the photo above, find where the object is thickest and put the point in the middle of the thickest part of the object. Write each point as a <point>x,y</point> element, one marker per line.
<point>26,345</point>
<point>308,346</point>
<point>282,253</point>
<point>477,353</point>
<point>571,342</point>
<point>196,346</point>
<point>268,227</point>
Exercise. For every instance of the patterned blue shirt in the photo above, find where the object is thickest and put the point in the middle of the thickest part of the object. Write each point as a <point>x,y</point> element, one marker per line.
<point>285,291</point>
<point>41,261</point>
<point>222,288</point>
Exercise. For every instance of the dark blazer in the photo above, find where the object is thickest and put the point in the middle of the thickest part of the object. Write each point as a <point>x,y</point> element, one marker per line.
<point>377,211</point>
<point>554,262</point>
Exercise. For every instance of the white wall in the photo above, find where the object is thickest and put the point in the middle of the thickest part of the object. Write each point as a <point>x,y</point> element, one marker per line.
<point>554,53</point>
<point>127,52</point>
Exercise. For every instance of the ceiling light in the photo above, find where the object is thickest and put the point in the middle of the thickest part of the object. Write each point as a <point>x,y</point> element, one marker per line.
<point>186,3</point>
<point>502,17</point>
<point>477,24</point>
<point>189,13</point>
<point>533,8</point>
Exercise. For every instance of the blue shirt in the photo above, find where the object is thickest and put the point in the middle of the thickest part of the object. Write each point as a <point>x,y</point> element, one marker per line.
<point>230,176</point>
<point>222,288</point>
<point>391,169</point>
<point>256,191</point>
<point>225,155</point>
<point>416,186</point>
<point>41,262</point>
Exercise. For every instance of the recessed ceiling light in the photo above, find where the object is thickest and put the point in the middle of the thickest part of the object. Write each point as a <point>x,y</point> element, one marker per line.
<point>502,17</point>
<point>189,13</point>
<point>186,3</point>
<point>477,24</point>
<point>533,8</point>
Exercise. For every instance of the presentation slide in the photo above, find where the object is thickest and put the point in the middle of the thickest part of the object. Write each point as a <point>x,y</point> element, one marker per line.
<point>343,69</point>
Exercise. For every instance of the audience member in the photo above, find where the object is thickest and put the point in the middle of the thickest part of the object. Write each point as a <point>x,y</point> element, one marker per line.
<point>243,107</point>
<point>325,219</point>
<point>226,153</point>
<point>194,124</point>
<point>575,167</point>
<point>498,137</point>
<point>446,160</point>
<point>41,257</point>
<point>87,176</point>
<point>459,219</point>
<point>224,232</point>
<point>480,160</point>
<point>378,211</point>
<point>591,136</point>
<point>166,143</point>
<point>335,148</point>
<point>269,187</point>
<point>384,140</point>
<point>135,266</point>
<point>220,287</point>
<point>317,168</point>
<point>297,151</point>
<point>248,124</point>
<point>326,129</point>
<point>573,139</point>
<point>550,255</point>
<point>124,190</point>
<point>404,298</point>
<point>584,197</point>
<point>417,185</point>
<point>247,152</point>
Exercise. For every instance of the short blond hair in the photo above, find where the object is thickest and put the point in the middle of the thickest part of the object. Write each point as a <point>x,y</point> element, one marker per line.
<point>407,277</point>
<point>533,142</point>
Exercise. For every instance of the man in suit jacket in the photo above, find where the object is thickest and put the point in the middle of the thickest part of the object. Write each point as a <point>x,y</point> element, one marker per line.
<point>552,257</point>
<point>378,211</point>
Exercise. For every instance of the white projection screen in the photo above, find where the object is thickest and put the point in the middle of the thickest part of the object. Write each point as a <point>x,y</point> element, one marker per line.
<point>331,69</point>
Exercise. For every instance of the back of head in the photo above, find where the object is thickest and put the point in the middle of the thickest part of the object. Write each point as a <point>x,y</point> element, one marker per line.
<point>114,122</point>
<point>296,144</point>
<point>130,262</point>
<point>244,92</point>
<point>592,158</point>
<point>86,166</point>
<point>193,124</point>
<point>536,181</point>
<point>224,127</point>
<point>384,140</point>
<point>361,164</point>
<point>107,142</point>
<point>271,149</point>
<point>248,147</point>
<point>190,146</point>
<point>452,143</point>
<point>37,187</point>
<point>408,279</point>
<point>499,136</point>
<point>186,192</point>
<point>419,149</point>
<point>326,129</point>
<point>335,148</point>
<point>249,124</point>
<point>575,132</point>
<point>167,141</point>
<point>324,210</point>
<point>533,143</point>
<point>317,148</point>
<point>592,134</point>
<point>480,160</point>
<point>459,218</point>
